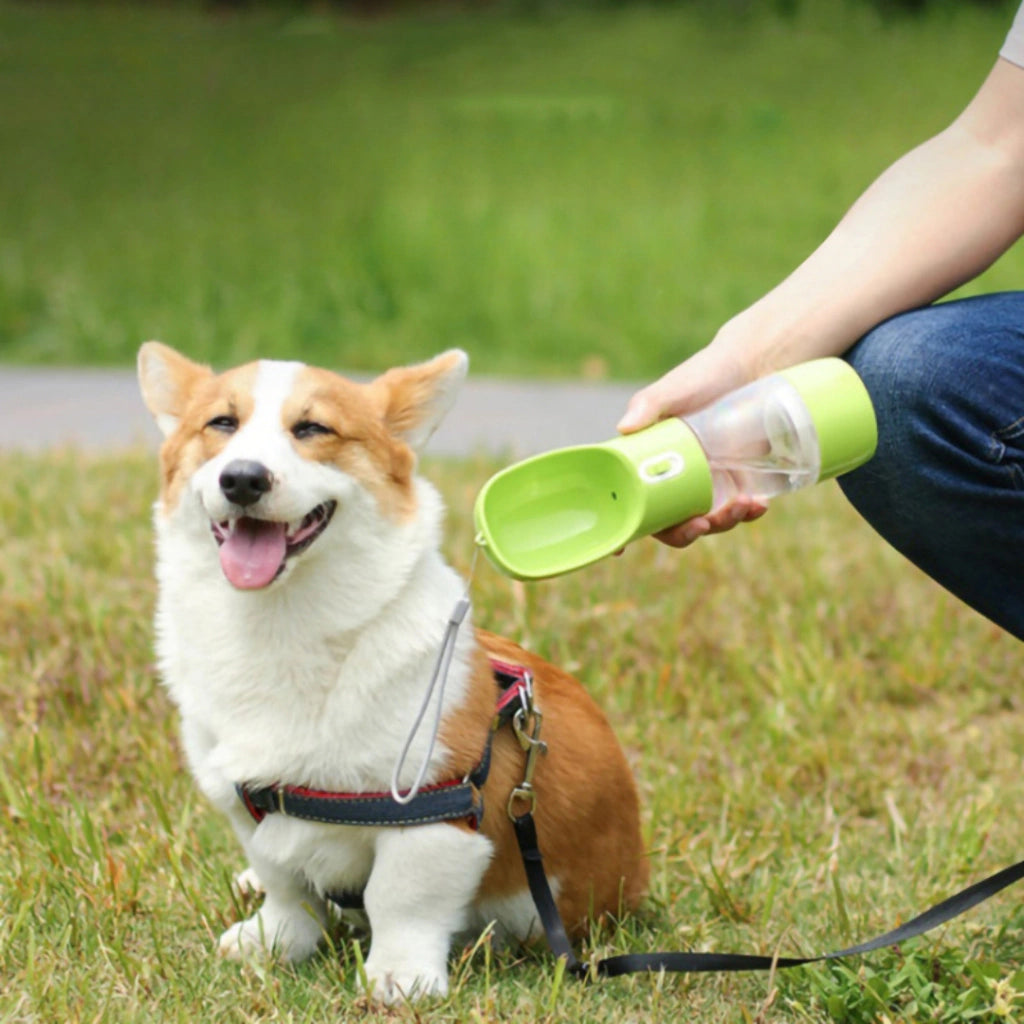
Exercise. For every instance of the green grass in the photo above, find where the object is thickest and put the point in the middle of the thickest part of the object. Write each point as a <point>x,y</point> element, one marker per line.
<point>557,193</point>
<point>825,744</point>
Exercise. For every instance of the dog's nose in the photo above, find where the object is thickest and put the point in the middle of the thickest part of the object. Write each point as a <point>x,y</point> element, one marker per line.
<point>244,482</point>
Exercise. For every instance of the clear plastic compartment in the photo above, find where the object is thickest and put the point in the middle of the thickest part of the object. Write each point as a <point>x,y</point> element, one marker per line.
<point>760,441</point>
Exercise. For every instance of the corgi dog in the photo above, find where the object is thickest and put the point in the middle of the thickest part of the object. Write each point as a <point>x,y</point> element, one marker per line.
<point>302,602</point>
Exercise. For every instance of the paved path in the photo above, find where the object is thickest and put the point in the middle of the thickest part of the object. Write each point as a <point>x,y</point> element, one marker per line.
<point>100,410</point>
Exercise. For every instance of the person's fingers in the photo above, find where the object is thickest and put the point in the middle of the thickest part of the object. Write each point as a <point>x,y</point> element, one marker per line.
<point>740,510</point>
<point>684,534</point>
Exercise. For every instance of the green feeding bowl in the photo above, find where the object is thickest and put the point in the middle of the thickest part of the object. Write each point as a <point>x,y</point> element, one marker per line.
<point>569,508</point>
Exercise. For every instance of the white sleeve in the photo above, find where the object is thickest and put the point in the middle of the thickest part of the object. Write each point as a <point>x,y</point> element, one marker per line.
<point>1013,48</point>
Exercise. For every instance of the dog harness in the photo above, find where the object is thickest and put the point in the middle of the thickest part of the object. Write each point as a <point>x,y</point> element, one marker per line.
<point>453,800</point>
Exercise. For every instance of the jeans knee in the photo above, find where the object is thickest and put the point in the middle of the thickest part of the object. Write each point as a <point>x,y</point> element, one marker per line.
<point>898,364</point>
<point>908,365</point>
<point>946,485</point>
<point>947,382</point>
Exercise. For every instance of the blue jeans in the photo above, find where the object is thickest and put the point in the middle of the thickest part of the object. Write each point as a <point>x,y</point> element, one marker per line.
<point>946,487</point>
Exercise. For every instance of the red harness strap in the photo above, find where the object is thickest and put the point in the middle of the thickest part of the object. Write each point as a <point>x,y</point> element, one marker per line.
<point>515,685</point>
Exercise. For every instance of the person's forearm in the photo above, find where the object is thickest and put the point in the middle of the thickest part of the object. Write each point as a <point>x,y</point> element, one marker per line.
<point>935,219</point>
<point>922,229</point>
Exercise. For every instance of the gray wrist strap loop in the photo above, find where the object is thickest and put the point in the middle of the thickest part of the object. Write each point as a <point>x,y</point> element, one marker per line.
<point>439,676</point>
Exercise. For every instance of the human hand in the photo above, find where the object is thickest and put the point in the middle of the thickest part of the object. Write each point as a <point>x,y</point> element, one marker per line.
<point>692,385</point>
<point>741,509</point>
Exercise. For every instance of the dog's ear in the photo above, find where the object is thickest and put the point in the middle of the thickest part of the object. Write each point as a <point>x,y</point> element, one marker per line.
<point>166,378</point>
<point>417,398</point>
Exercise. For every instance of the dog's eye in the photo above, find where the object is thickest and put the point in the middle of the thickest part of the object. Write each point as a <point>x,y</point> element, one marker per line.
<point>305,429</point>
<point>225,424</point>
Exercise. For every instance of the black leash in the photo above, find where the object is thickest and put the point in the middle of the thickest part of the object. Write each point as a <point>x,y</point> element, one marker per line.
<point>691,963</point>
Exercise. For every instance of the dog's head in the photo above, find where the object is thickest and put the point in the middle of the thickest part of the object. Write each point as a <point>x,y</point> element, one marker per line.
<point>268,457</point>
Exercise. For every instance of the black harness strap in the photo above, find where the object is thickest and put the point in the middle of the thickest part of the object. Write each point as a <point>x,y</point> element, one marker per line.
<point>690,963</point>
<point>443,801</point>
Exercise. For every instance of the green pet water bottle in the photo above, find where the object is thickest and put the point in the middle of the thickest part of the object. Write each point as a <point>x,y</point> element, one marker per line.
<point>568,508</point>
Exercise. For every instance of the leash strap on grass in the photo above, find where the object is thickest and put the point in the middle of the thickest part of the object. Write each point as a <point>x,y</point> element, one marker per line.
<point>691,963</point>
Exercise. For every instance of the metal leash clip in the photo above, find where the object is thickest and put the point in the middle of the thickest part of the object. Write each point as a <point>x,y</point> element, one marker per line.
<point>526,725</point>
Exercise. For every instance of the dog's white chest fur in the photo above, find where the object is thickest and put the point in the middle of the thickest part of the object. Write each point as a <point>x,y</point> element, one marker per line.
<point>281,687</point>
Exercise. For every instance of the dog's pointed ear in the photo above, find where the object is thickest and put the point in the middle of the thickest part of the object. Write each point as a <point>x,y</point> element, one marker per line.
<point>166,378</point>
<point>417,398</point>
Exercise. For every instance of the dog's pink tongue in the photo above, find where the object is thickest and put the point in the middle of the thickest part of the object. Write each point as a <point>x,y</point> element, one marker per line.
<point>253,553</point>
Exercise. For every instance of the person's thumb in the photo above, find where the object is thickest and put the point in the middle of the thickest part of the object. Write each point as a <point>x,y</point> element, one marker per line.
<point>641,411</point>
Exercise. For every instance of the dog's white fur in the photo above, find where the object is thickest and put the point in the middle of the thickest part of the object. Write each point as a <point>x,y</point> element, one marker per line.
<point>315,678</point>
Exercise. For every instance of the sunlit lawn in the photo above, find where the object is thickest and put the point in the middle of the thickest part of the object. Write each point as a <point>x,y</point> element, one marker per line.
<point>825,744</point>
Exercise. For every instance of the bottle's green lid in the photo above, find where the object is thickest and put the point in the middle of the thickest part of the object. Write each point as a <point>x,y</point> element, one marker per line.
<point>841,409</point>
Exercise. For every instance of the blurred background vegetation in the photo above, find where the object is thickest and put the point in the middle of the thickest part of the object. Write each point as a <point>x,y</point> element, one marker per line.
<point>561,188</point>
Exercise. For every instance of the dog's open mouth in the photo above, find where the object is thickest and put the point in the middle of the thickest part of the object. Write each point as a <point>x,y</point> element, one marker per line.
<point>253,552</point>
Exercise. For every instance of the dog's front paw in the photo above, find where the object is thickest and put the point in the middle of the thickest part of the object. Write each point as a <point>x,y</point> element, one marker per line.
<point>248,883</point>
<point>390,986</point>
<point>244,941</point>
<point>292,939</point>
